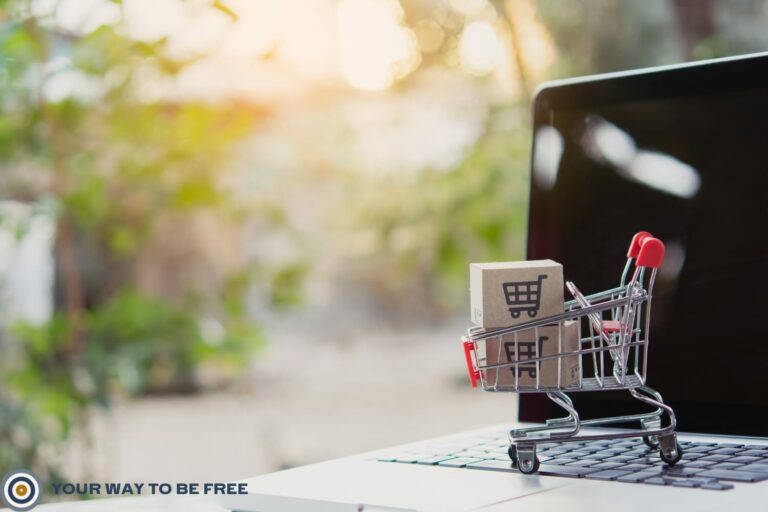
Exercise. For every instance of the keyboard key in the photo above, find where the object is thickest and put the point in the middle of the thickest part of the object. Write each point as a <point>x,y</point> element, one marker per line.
<point>682,470</point>
<point>554,451</point>
<point>716,458</point>
<point>734,476</point>
<point>637,467</point>
<point>434,460</point>
<point>609,474</point>
<point>490,447</point>
<point>684,483</point>
<point>583,463</point>
<point>674,472</point>
<point>595,456</point>
<point>597,443</point>
<point>730,445</point>
<point>724,451</point>
<point>755,453</point>
<point>700,449</point>
<point>716,486</point>
<point>756,468</point>
<point>700,463</point>
<point>405,457</point>
<point>701,480</point>
<point>459,462</point>
<point>572,471</point>
<point>725,465</point>
<point>495,465</point>
<point>638,476</point>
<point>608,465</point>
<point>645,460</point>
<point>473,454</point>
<point>744,459</point>
<point>657,481</point>
<point>580,453</point>
<point>620,458</point>
<point>609,452</point>
<point>561,461</point>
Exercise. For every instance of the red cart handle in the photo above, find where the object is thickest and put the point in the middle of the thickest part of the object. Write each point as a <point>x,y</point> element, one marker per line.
<point>634,245</point>
<point>651,253</point>
<point>474,373</point>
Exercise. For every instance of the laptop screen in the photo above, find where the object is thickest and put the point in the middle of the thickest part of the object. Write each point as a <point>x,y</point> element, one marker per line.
<point>682,153</point>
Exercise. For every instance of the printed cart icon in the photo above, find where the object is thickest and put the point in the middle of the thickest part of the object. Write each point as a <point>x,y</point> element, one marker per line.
<point>524,296</point>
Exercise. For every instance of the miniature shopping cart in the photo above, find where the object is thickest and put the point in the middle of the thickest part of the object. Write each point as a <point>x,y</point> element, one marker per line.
<point>611,354</point>
<point>523,296</point>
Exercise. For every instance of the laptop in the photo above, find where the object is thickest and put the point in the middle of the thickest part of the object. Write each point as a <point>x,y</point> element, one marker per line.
<point>678,151</point>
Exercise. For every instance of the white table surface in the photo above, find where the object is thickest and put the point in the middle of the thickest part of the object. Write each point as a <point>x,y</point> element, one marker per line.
<point>136,504</point>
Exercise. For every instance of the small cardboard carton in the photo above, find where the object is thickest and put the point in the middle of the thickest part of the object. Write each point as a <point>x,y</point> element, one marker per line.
<point>511,293</point>
<point>570,367</point>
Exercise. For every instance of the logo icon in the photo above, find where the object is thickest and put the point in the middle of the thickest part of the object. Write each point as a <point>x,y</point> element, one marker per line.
<point>523,296</point>
<point>527,352</point>
<point>21,490</point>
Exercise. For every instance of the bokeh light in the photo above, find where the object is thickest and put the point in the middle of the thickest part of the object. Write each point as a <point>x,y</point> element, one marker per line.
<point>480,49</point>
<point>376,49</point>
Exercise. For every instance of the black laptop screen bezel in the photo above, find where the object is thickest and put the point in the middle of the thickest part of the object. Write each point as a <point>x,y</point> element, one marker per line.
<point>730,75</point>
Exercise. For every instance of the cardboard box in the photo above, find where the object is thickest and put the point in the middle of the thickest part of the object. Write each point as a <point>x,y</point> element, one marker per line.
<point>526,344</point>
<point>511,293</point>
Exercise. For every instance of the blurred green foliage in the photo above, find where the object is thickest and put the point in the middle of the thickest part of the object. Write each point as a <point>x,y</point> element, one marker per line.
<point>112,165</point>
<point>599,36</point>
<point>429,226</point>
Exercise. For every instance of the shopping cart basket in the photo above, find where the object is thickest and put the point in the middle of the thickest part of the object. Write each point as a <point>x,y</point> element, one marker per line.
<point>612,354</point>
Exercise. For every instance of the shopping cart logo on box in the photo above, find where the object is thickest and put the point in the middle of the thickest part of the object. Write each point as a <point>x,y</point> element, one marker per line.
<point>526,357</point>
<point>523,296</point>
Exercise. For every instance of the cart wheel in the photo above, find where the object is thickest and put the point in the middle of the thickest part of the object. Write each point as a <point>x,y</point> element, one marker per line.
<point>672,460</point>
<point>528,466</point>
<point>651,441</point>
<point>532,312</point>
<point>512,452</point>
<point>515,314</point>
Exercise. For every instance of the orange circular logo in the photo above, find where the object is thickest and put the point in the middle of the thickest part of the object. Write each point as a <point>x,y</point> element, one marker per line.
<point>20,490</point>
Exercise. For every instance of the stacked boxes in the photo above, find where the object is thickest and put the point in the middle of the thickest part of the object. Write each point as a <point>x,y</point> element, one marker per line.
<point>511,293</point>
<point>501,350</point>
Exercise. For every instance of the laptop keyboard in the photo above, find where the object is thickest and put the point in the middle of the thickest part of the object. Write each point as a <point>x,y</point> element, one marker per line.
<point>713,466</point>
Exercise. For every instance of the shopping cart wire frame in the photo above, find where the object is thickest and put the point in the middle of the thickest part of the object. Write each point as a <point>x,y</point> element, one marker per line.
<point>613,334</point>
